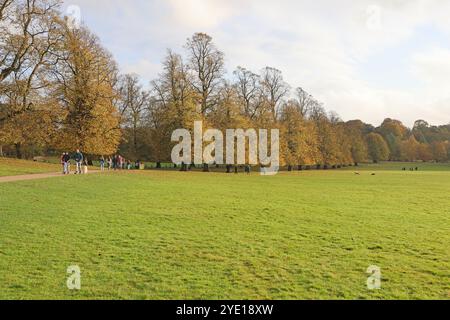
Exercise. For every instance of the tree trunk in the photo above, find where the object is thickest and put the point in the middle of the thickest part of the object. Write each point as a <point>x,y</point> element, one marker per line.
<point>18,150</point>
<point>289,168</point>
<point>135,139</point>
<point>158,165</point>
<point>1,151</point>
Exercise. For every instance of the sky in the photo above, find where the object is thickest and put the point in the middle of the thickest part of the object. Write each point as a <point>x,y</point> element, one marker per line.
<point>367,60</point>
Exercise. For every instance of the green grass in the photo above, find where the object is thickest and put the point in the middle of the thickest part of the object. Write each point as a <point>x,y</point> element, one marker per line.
<point>13,167</point>
<point>398,166</point>
<point>172,235</point>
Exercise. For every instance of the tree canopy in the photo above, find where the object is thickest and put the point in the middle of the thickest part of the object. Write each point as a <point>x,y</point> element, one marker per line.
<point>60,90</point>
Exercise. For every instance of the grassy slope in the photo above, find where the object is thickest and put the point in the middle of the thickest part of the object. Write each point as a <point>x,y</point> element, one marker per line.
<point>170,235</point>
<point>13,167</point>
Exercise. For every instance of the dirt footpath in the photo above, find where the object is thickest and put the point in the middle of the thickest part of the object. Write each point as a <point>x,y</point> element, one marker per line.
<point>36,176</point>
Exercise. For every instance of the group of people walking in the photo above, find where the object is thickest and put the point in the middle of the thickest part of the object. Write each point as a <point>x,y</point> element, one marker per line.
<point>116,162</point>
<point>80,163</point>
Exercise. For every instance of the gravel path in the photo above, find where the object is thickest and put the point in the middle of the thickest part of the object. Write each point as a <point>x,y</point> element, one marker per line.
<point>36,176</point>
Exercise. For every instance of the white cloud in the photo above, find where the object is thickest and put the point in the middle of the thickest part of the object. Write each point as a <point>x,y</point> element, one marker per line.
<point>319,45</point>
<point>143,67</point>
<point>433,67</point>
<point>202,14</point>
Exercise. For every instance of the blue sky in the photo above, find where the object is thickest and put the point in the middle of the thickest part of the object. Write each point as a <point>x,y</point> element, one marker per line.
<point>363,59</point>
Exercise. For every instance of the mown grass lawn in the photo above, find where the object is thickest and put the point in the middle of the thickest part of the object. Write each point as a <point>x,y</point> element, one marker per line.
<point>171,235</point>
<point>14,167</point>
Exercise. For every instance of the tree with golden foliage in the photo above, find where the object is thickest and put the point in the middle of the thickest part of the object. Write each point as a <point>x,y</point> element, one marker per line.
<point>29,114</point>
<point>86,75</point>
<point>409,149</point>
<point>299,137</point>
<point>355,133</point>
<point>440,150</point>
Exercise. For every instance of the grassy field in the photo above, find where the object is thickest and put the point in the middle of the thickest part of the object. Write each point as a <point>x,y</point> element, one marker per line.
<point>13,167</point>
<point>172,235</point>
<point>398,166</point>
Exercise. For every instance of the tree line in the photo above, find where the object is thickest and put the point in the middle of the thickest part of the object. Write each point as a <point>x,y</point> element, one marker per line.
<point>61,90</point>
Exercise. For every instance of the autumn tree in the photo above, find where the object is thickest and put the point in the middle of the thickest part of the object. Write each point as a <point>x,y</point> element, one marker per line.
<point>60,89</point>
<point>206,63</point>
<point>327,139</point>
<point>426,133</point>
<point>172,106</point>
<point>4,5</point>
<point>378,148</point>
<point>228,113</point>
<point>393,131</point>
<point>133,101</point>
<point>440,151</point>
<point>29,112</point>
<point>424,152</point>
<point>419,129</point>
<point>354,131</point>
<point>345,147</point>
<point>300,136</point>
<point>274,90</point>
<point>305,101</point>
<point>86,75</point>
<point>174,93</point>
<point>158,132</point>
<point>409,149</point>
<point>299,145</point>
<point>249,91</point>
<point>22,23</point>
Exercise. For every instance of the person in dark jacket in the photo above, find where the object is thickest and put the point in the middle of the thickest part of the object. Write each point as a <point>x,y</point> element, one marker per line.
<point>79,161</point>
<point>66,163</point>
<point>114,162</point>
